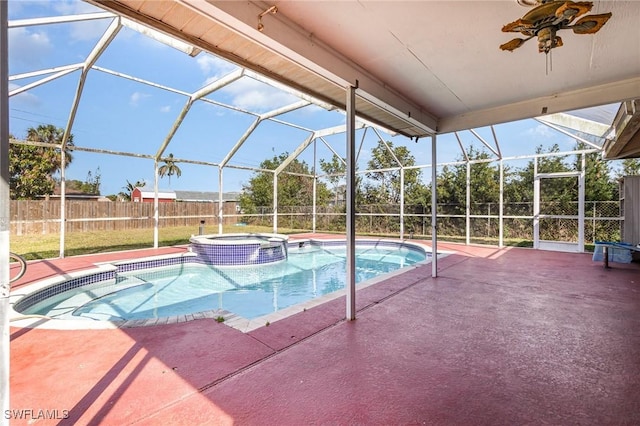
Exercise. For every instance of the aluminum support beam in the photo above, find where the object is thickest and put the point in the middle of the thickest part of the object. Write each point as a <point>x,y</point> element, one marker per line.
<point>581,193</point>
<point>495,140</point>
<point>485,143</point>
<point>254,125</point>
<point>220,201</point>
<point>299,150</point>
<point>63,201</point>
<point>204,91</point>
<point>536,205</point>
<point>501,213</point>
<point>156,213</point>
<point>61,73</point>
<point>93,56</point>
<point>464,151</point>
<point>434,208</point>
<point>467,209</point>
<point>5,286</point>
<point>350,284</point>
<point>17,23</point>
<point>275,203</point>
<point>564,132</point>
<point>401,204</point>
<point>315,184</point>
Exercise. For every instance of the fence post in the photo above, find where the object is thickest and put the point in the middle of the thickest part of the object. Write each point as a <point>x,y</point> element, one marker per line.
<point>593,234</point>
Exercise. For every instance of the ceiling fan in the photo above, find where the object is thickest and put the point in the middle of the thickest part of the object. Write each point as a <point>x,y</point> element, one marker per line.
<point>550,16</point>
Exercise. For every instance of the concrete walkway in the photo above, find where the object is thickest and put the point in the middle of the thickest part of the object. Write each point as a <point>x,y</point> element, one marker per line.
<point>502,336</point>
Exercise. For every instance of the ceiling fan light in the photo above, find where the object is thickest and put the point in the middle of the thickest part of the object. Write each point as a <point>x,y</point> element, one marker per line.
<point>550,16</point>
<point>528,3</point>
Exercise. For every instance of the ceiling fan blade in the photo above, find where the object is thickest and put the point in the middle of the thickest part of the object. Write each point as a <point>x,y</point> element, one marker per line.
<point>590,24</point>
<point>513,44</point>
<point>571,10</point>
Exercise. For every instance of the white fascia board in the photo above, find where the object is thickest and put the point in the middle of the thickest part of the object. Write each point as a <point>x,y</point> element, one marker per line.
<point>297,45</point>
<point>560,102</point>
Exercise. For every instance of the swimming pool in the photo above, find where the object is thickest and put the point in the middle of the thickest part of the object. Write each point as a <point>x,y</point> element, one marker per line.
<point>182,287</point>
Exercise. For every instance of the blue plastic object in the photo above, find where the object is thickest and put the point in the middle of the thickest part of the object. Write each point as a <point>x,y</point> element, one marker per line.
<point>618,252</point>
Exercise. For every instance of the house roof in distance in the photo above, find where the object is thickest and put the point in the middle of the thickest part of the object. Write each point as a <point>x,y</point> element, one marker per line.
<point>148,192</point>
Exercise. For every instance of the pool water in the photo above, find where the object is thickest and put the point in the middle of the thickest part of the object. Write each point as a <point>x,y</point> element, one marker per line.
<point>248,291</point>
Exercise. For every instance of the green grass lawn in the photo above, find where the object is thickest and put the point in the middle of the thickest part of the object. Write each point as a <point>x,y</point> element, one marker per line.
<point>77,243</point>
<point>48,246</point>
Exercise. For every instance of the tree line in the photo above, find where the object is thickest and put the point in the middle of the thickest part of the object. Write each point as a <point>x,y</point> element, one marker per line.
<point>33,168</point>
<point>381,184</point>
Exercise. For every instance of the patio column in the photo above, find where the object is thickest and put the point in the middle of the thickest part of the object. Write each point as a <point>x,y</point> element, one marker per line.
<point>63,203</point>
<point>402,204</point>
<point>315,186</point>
<point>434,214</point>
<point>275,203</point>
<point>501,218</point>
<point>220,201</point>
<point>156,213</point>
<point>5,287</point>
<point>467,210</point>
<point>351,201</point>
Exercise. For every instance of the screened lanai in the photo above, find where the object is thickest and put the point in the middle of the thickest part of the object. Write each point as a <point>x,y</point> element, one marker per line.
<point>222,149</point>
<point>373,70</point>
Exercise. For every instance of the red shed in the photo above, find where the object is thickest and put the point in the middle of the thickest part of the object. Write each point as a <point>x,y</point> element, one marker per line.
<point>143,194</point>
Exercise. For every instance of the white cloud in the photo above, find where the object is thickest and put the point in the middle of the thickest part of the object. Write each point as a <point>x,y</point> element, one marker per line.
<point>72,7</point>
<point>27,47</point>
<point>214,67</point>
<point>245,93</point>
<point>24,99</point>
<point>137,97</point>
<point>80,31</point>
<point>253,95</point>
<point>165,108</point>
<point>540,130</point>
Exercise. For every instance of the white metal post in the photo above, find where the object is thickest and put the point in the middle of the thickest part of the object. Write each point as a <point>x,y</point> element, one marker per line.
<point>220,202</point>
<point>501,210</point>
<point>351,201</point>
<point>402,204</point>
<point>63,199</point>
<point>467,210</point>
<point>581,193</point>
<point>434,204</point>
<point>315,184</point>
<point>156,213</point>
<point>536,205</point>
<point>5,286</point>
<point>275,203</point>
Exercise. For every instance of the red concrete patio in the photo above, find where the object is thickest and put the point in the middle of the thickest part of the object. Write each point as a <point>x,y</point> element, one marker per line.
<point>502,336</point>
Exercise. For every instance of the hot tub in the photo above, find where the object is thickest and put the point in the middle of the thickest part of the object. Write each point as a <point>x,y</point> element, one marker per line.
<point>240,249</point>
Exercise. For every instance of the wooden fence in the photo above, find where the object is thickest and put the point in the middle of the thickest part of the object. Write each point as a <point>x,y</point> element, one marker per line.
<point>43,217</point>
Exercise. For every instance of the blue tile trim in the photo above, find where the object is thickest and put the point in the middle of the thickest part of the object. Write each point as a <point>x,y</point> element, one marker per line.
<point>240,254</point>
<point>30,300</point>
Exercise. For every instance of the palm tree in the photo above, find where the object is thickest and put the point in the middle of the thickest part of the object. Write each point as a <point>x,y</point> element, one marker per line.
<point>169,168</point>
<point>32,167</point>
<point>128,190</point>
<point>48,133</point>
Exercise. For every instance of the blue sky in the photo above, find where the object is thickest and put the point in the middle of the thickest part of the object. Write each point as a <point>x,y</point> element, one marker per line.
<point>123,115</point>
